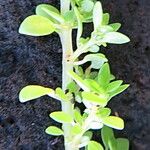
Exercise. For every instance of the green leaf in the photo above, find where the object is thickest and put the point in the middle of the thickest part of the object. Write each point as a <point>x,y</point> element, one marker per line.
<point>61,117</point>
<point>119,90</point>
<point>112,144</point>
<point>106,17</point>
<point>104,75</point>
<point>93,145</point>
<point>93,98</point>
<point>122,144</point>
<point>89,134</point>
<point>77,115</point>
<point>107,134</point>
<point>76,129</point>
<point>94,48</point>
<point>104,112</point>
<point>45,11</point>
<point>73,87</point>
<point>60,93</point>
<point>115,26</point>
<point>80,25</point>
<point>115,38</point>
<point>36,26</point>
<point>105,29</point>
<point>31,92</point>
<point>84,141</point>
<point>114,85</point>
<point>94,86</point>
<point>52,130</point>
<point>97,15</point>
<point>78,80</point>
<point>113,122</point>
<point>97,60</point>
<point>87,5</point>
<point>70,17</point>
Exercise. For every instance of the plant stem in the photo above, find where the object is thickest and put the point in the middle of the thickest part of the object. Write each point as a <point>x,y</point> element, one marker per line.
<point>66,40</point>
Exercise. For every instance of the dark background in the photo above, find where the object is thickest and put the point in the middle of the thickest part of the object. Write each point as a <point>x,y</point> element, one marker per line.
<point>28,60</point>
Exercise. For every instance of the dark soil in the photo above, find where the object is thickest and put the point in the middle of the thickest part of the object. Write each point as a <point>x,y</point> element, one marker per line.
<point>28,60</point>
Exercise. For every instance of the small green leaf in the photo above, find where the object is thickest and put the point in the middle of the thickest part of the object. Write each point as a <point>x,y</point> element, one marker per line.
<point>60,93</point>
<point>84,141</point>
<point>112,77</point>
<point>89,134</point>
<point>107,134</point>
<point>94,48</point>
<point>97,15</point>
<point>118,90</point>
<point>114,85</point>
<point>80,24</point>
<point>61,117</point>
<point>94,86</point>
<point>122,144</point>
<point>77,115</point>
<point>52,130</point>
<point>78,80</point>
<point>104,112</point>
<point>115,26</point>
<point>104,75</point>
<point>93,98</point>
<point>114,122</point>
<point>97,60</point>
<point>40,10</point>
<point>93,145</point>
<point>73,87</point>
<point>76,129</point>
<point>105,29</point>
<point>69,16</point>
<point>106,17</point>
<point>112,144</point>
<point>36,25</point>
<point>31,92</point>
<point>87,5</point>
<point>115,38</point>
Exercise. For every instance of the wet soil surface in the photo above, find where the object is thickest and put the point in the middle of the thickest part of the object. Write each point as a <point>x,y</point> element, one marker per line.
<point>28,60</point>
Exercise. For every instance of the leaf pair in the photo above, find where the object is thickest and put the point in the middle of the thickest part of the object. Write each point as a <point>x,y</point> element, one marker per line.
<point>43,22</point>
<point>32,92</point>
<point>111,143</point>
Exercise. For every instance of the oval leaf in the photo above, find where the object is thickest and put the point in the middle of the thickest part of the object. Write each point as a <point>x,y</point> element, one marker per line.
<point>122,144</point>
<point>97,15</point>
<point>97,60</point>
<point>114,122</point>
<point>115,38</point>
<point>36,26</point>
<point>114,85</point>
<point>93,98</point>
<point>115,26</point>
<point>61,117</point>
<point>92,145</point>
<point>118,90</point>
<point>40,10</point>
<point>31,92</point>
<point>107,134</point>
<point>104,75</point>
<point>104,112</point>
<point>52,130</point>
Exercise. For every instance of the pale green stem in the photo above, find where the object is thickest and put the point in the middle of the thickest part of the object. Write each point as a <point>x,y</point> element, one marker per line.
<point>66,40</point>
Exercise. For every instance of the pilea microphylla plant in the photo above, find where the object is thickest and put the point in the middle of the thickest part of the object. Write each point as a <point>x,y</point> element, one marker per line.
<point>93,86</point>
